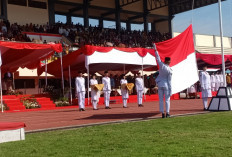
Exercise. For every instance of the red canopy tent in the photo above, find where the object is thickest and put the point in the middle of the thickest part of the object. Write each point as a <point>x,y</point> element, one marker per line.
<point>17,54</point>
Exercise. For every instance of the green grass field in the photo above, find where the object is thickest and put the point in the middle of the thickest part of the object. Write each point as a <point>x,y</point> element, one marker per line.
<point>199,135</point>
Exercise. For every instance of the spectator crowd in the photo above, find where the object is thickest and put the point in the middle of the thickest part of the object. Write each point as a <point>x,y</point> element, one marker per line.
<point>80,36</point>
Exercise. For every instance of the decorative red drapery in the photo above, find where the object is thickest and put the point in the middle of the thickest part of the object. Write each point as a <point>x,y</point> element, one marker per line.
<point>89,50</point>
<point>213,59</point>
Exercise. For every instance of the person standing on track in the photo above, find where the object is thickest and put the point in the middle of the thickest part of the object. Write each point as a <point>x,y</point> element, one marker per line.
<point>80,91</point>
<point>205,86</point>
<point>139,89</point>
<point>106,90</point>
<point>164,83</point>
<point>124,91</point>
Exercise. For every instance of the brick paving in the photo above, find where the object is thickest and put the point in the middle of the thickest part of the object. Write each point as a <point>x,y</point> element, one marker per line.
<point>71,117</point>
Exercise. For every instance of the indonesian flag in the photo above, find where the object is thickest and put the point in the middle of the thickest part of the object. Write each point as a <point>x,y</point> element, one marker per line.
<point>183,59</point>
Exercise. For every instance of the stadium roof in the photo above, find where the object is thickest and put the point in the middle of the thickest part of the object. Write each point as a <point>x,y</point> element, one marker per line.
<point>130,10</point>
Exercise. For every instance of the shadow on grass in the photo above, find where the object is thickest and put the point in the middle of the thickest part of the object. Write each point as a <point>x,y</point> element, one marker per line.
<point>121,116</point>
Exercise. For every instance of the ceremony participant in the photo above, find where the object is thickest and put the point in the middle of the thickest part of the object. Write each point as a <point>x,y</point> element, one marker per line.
<point>228,80</point>
<point>80,91</point>
<point>206,86</point>
<point>221,80</point>
<point>106,90</point>
<point>213,82</point>
<point>217,81</point>
<point>124,91</point>
<point>139,89</point>
<point>164,83</point>
<point>94,92</point>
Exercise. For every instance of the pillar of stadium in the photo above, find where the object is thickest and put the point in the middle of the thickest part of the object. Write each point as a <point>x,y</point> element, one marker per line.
<point>118,8</point>
<point>3,9</point>
<point>170,16</point>
<point>51,11</point>
<point>145,13</point>
<point>86,13</point>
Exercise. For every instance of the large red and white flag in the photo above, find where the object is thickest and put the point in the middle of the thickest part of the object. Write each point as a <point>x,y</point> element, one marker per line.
<point>183,59</point>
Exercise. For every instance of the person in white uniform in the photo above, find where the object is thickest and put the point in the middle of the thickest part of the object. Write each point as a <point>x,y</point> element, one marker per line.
<point>94,93</point>
<point>206,86</point>
<point>124,91</point>
<point>80,91</point>
<point>217,81</point>
<point>164,83</point>
<point>139,84</point>
<point>221,80</point>
<point>213,82</point>
<point>106,90</point>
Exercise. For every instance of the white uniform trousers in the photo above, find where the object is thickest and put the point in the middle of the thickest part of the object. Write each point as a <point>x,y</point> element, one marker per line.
<point>107,98</point>
<point>124,102</point>
<point>205,102</point>
<point>94,102</point>
<point>217,85</point>
<point>140,97</point>
<point>81,99</point>
<point>163,91</point>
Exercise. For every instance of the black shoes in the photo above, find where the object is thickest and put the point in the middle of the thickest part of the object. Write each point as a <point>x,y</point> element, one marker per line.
<point>140,105</point>
<point>124,106</point>
<point>163,115</point>
<point>107,107</point>
<point>205,109</point>
<point>167,115</point>
<point>81,109</point>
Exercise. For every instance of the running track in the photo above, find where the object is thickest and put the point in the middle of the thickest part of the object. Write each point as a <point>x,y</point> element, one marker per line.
<point>71,117</point>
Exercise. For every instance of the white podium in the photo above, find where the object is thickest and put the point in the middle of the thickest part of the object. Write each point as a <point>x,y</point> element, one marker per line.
<point>222,101</point>
<point>11,131</point>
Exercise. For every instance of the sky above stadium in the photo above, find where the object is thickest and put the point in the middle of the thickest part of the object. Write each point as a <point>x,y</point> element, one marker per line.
<point>206,20</point>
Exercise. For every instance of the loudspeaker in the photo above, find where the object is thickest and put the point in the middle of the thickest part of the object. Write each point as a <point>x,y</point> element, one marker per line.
<point>222,101</point>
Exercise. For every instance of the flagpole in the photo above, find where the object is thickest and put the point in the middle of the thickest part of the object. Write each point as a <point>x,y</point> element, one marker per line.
<point>88,83</point>
<point>70,84</point>
<point>62,73</point>
<point>1,88</point>
<point>222,48</point>
<point>46,73</point>
<point>13,82</point>
<point>144,94</point>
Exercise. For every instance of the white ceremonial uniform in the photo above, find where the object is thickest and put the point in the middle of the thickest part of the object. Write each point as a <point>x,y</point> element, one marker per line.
<point>125,94</point>
<point>106,90</point>
<point>164,84</point>
<point>80,91</point>
<point>94,93</point>
<point>221,80</point>
<point>206,87</point>
<point>213,82</point>
<point>139,89</point>
<point>217,82</point>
